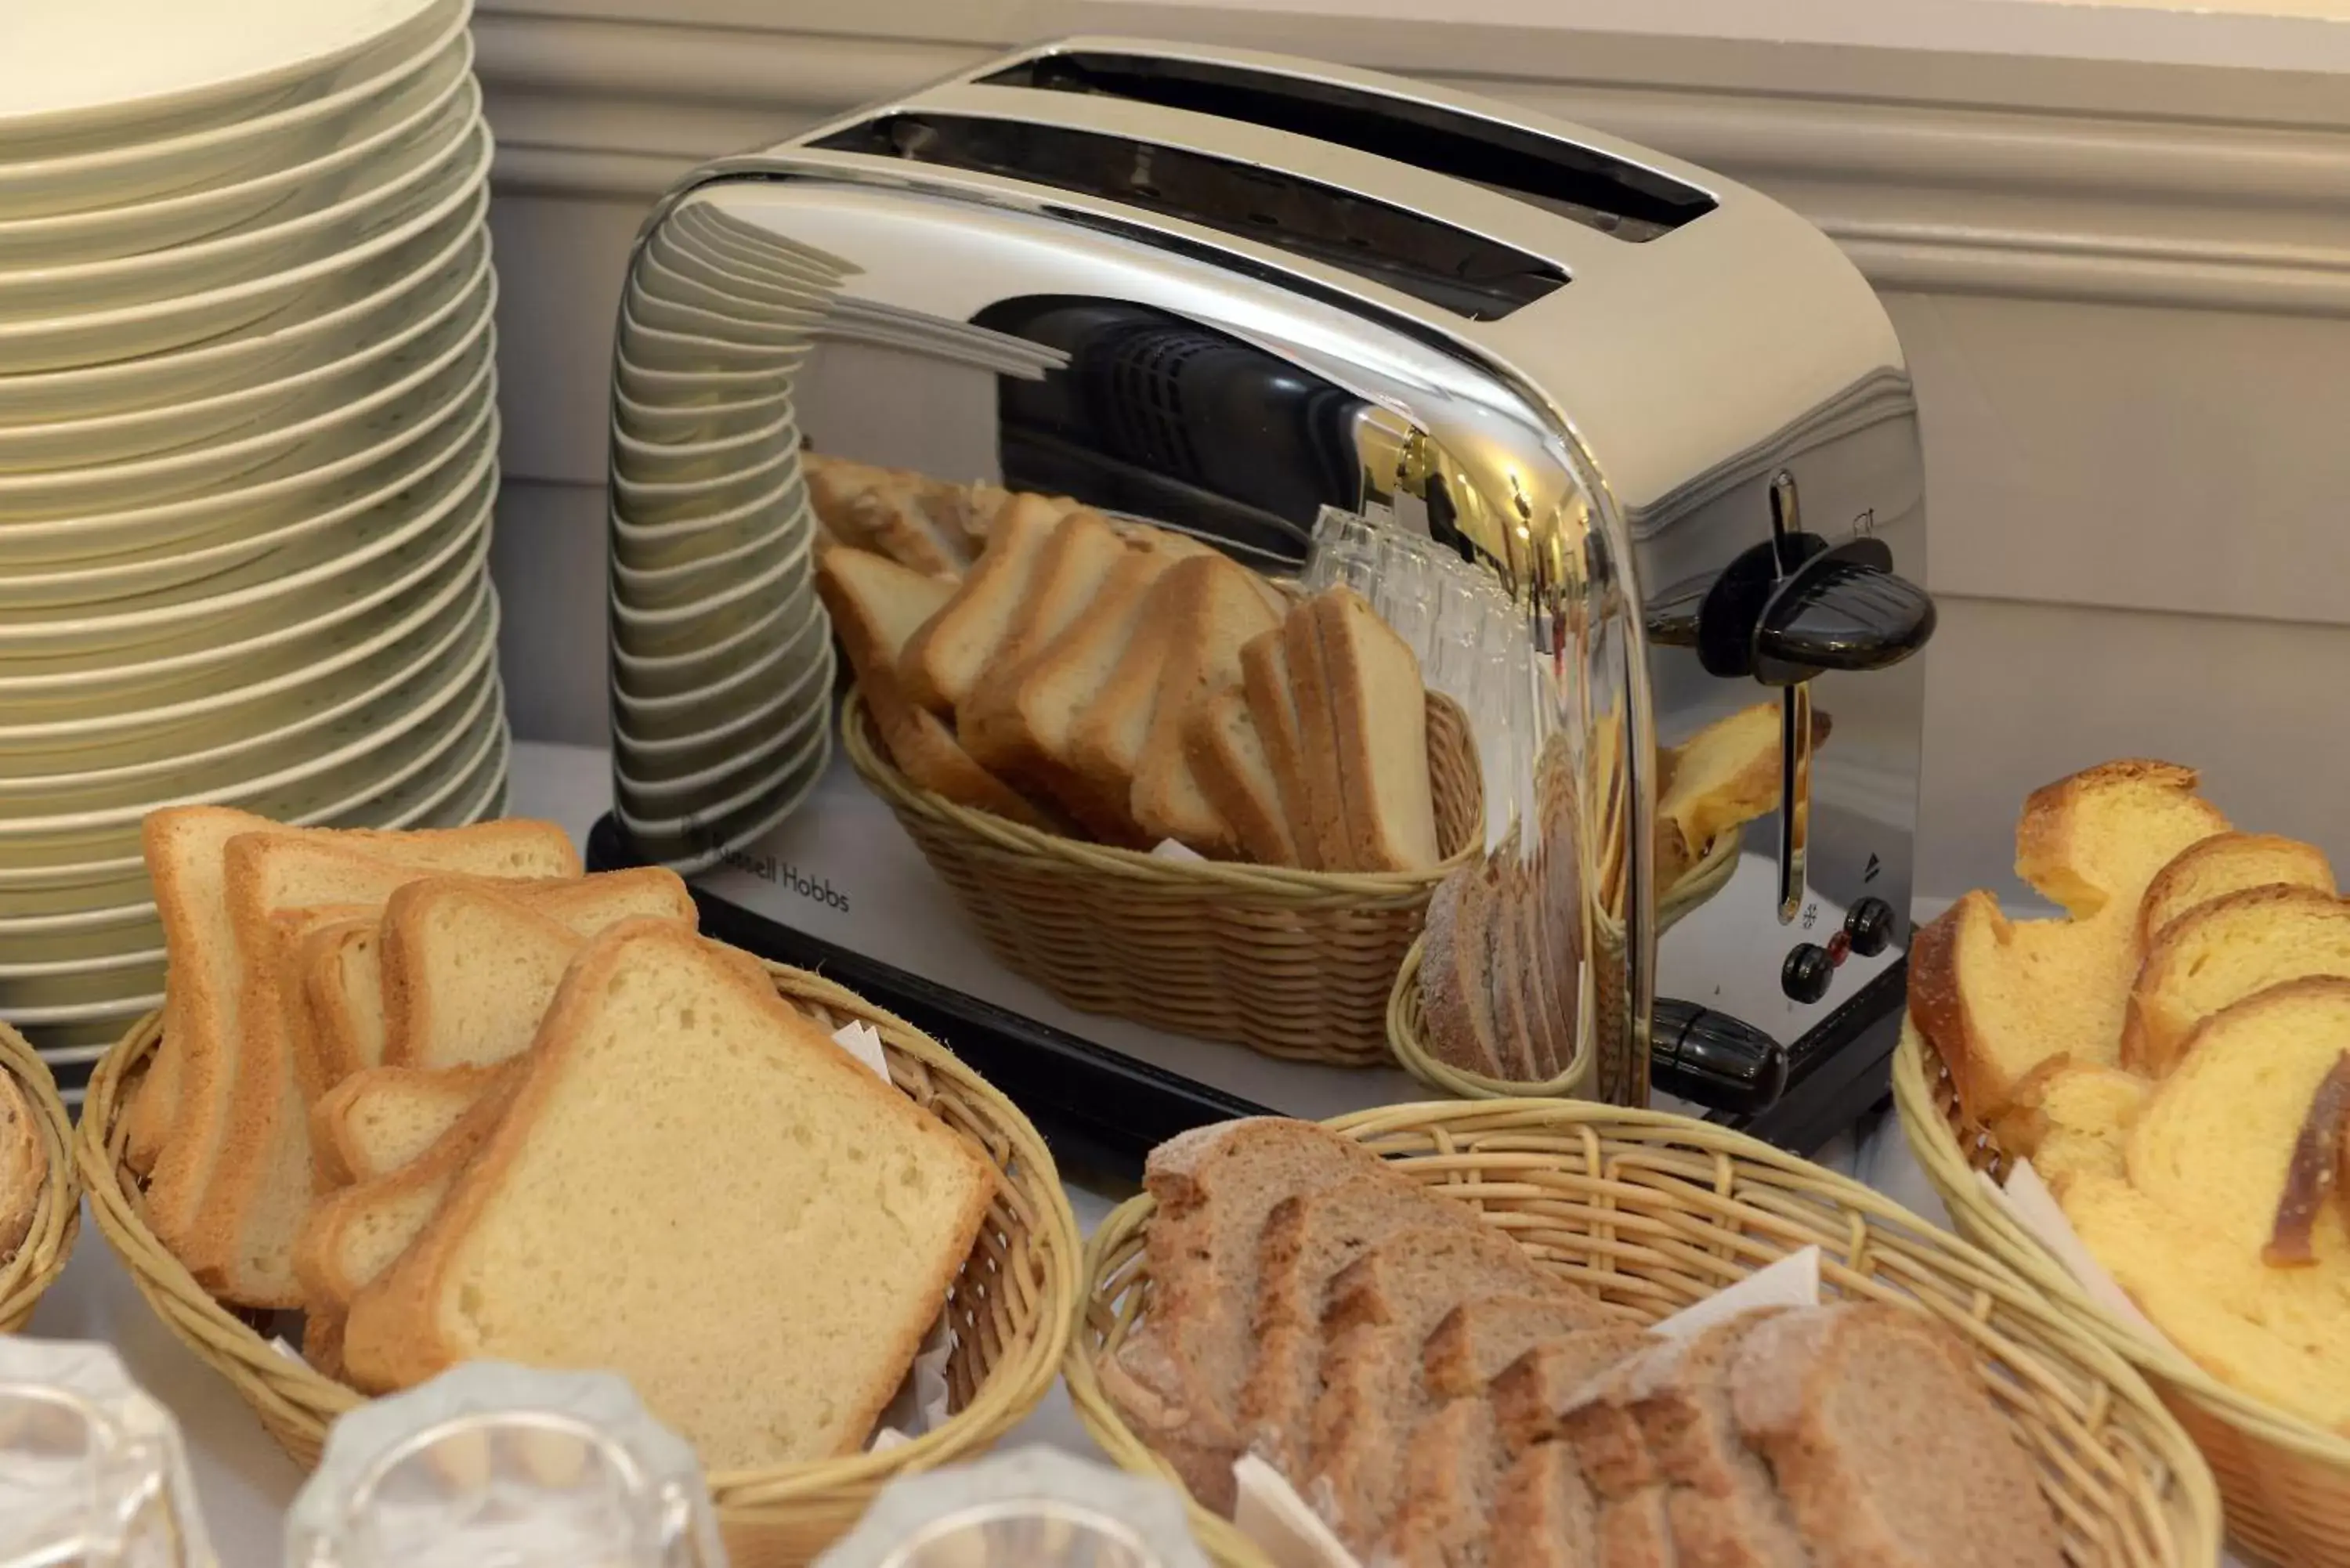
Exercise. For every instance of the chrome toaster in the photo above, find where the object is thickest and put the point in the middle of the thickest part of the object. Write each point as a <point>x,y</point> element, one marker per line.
<point>1299,311</point>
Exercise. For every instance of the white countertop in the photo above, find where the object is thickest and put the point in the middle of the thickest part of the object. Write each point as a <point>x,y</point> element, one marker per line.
<point>246,1483</point>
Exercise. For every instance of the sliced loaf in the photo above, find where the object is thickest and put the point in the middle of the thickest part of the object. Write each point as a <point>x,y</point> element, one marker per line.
<point>946,657</point>
<point>661,1064</point>
<point>1212,609</point>
<point>1544,1513</point>
<point>1456,992</point>
<point>1228,756</point>
<point>1273,704</point>
<point>1379,725</point>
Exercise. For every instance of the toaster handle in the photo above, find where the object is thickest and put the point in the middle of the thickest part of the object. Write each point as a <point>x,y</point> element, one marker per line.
<point>1843,609</point>
<point>1714,1059</point>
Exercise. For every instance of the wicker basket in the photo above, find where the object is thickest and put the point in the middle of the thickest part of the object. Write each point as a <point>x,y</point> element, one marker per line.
<point>57,1213</point>
<point>1291,964</point>
<point>1656,1212</point>
<point>1707,877</point>
<point>1011,1309</point>
<point>2286,1482</point>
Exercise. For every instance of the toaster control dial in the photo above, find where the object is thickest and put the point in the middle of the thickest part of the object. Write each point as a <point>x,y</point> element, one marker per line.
<point>1804,976</point>
<point>1870,924</point>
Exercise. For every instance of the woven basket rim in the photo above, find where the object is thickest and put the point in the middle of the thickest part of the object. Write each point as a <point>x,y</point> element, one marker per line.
<point>1935,1142</point>
<point>1707,876</point>
<point>1135,867</point>
<point>2196,1501</point>
<point>305,1398</point>
<point>48,1240</point>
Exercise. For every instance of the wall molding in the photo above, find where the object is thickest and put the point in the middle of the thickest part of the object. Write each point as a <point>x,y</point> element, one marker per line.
<point>2095,204</point>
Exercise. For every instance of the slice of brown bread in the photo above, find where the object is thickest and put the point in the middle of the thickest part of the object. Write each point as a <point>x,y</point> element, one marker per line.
<point>1383,1307</point>
<point>2222,863</point>
<point>1456,992</point>
<point>1544,1513</point>
<point>1529,1393</point>
<point>1228,756</point>
<point>1179,1376</point>
<point>1478,1340</point>
<point>945,659</point>
<point>381,1119</point>
<point>1380,724</point>
<point>2221,951</point>
<point>1272,697</point>
<point>1323,782</point>
<point>1884,1443</point>
<point>1997,998</point>
<point>1212,609</point>
<point>1723,1505</point>
<point>1518,1023</point>
<point>1307,1242</point>
<point>672,1081</point>
<point>468,973</point>
<point>1447,1478</point>
<point>1637,1531</point>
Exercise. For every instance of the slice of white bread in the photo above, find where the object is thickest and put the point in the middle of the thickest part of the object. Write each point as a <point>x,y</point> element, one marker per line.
<point>1106,742</point>
<point>1212,609</point>
<point>1178,1376</point>
<point>945,659</point>
<point>672,1082</point>
<point>1272,704</point>
<point>2227,862</point>
<point>884,510</point>
<point>24,1166</point>
<point>1885,1442</point>
<point>314,1054</point>
<point>1071,570</point>
<point>1020,721</point>
<point>1228,757</point>
<point>382,1118</point>
<point>185,1108</point>
<point>1997,998</point>
<point>2222,951</point>
<point>1371,679</point>
<point>876,606</point>
<point>467,974</point>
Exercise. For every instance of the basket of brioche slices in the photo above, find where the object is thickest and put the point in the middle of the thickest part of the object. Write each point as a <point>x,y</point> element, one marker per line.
<point>1123,751</point>
<point>1554,1333</point>
<point>40,1201</point>
<point>420,1098</point>
<point>2141,1103</point>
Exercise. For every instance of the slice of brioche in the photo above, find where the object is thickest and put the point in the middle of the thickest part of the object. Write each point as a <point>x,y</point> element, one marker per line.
<point>875,608</point>
<point>1020,721</point>
<point>668,1079</point>
<point>1228,757</point>
<point>1212,609</point>
<point>1999,997</point>
<point>382,1118</point>
<point>2222,951</point>
<point>1179,1376</point>
<point>467,974</point>
<point>2072,1121</point>
<point>2222,863</point>
<point>194,1078</point>
<point>1884,1443</point>
<point>1379,723</point>
<point>1725,775</point>
<point>945,659</point>
<point>1272,695</point>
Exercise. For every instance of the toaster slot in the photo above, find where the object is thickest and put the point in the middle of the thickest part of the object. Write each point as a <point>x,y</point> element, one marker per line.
<point>1430,260</point>
<point>1593,188</point>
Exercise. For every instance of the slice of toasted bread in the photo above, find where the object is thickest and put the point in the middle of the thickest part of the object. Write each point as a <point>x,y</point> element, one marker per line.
<point>945,659</point>
<point>876,606</point>
<point>196,1073</point>
<point>670,1080</point>
<point>1370,677</point>
<point>382,1118</point>
<point>1272,696</point>
<point>2222,863</point>
<point>1227,754</point>
<point>2221,951</point>
<point>467,974</point>
<point>1997,998</point>
<point>1212,609</point>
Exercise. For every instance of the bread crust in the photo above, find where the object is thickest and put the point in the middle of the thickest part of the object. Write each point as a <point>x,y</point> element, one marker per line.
<point>2045,855</point>
<point>2156,1034</point>
<point>1230,784</point>
<point>2304,864</point>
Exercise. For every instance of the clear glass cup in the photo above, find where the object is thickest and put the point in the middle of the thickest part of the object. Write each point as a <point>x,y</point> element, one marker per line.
<point>1030,1507</point>
<point>93,1473</point>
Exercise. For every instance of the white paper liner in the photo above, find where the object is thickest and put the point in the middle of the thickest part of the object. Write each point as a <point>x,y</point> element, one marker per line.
<point>2027,1201</point>
<point>1270,1512</point>
<point>920,1402</point>
<point>1168,849</point>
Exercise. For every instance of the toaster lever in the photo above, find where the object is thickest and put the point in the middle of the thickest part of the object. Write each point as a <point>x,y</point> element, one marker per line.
<point>1714,1059</point>
<point>1843,609</point>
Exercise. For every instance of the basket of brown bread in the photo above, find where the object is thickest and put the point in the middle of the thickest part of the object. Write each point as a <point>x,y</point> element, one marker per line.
<point>1123,752</point>
<point>1480,1020</point>
<point>2172,1055</point>
<point>40,1203</point>
<point>446,1098</point>
<point>1434,1322</point>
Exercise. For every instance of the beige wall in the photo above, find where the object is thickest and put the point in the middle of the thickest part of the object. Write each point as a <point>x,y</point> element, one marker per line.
<point>2124,289</point>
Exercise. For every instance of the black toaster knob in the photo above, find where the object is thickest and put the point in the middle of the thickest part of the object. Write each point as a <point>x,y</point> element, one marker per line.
<point>1870,924</point>
<point>1807,972</point>
<point>1841,609</point>
<point>1714,1060</point>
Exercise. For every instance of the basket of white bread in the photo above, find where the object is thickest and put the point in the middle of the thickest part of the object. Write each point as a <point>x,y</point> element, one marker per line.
<point>1122,751</point>
<point>1563,1334</point>
<point>40,1201</point>
<point>2141,1105</point>
<point>448,1099</point>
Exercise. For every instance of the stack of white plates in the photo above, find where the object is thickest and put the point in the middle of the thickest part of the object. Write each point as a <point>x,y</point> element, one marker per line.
<point>247,454</point>
<point>721,655</point>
